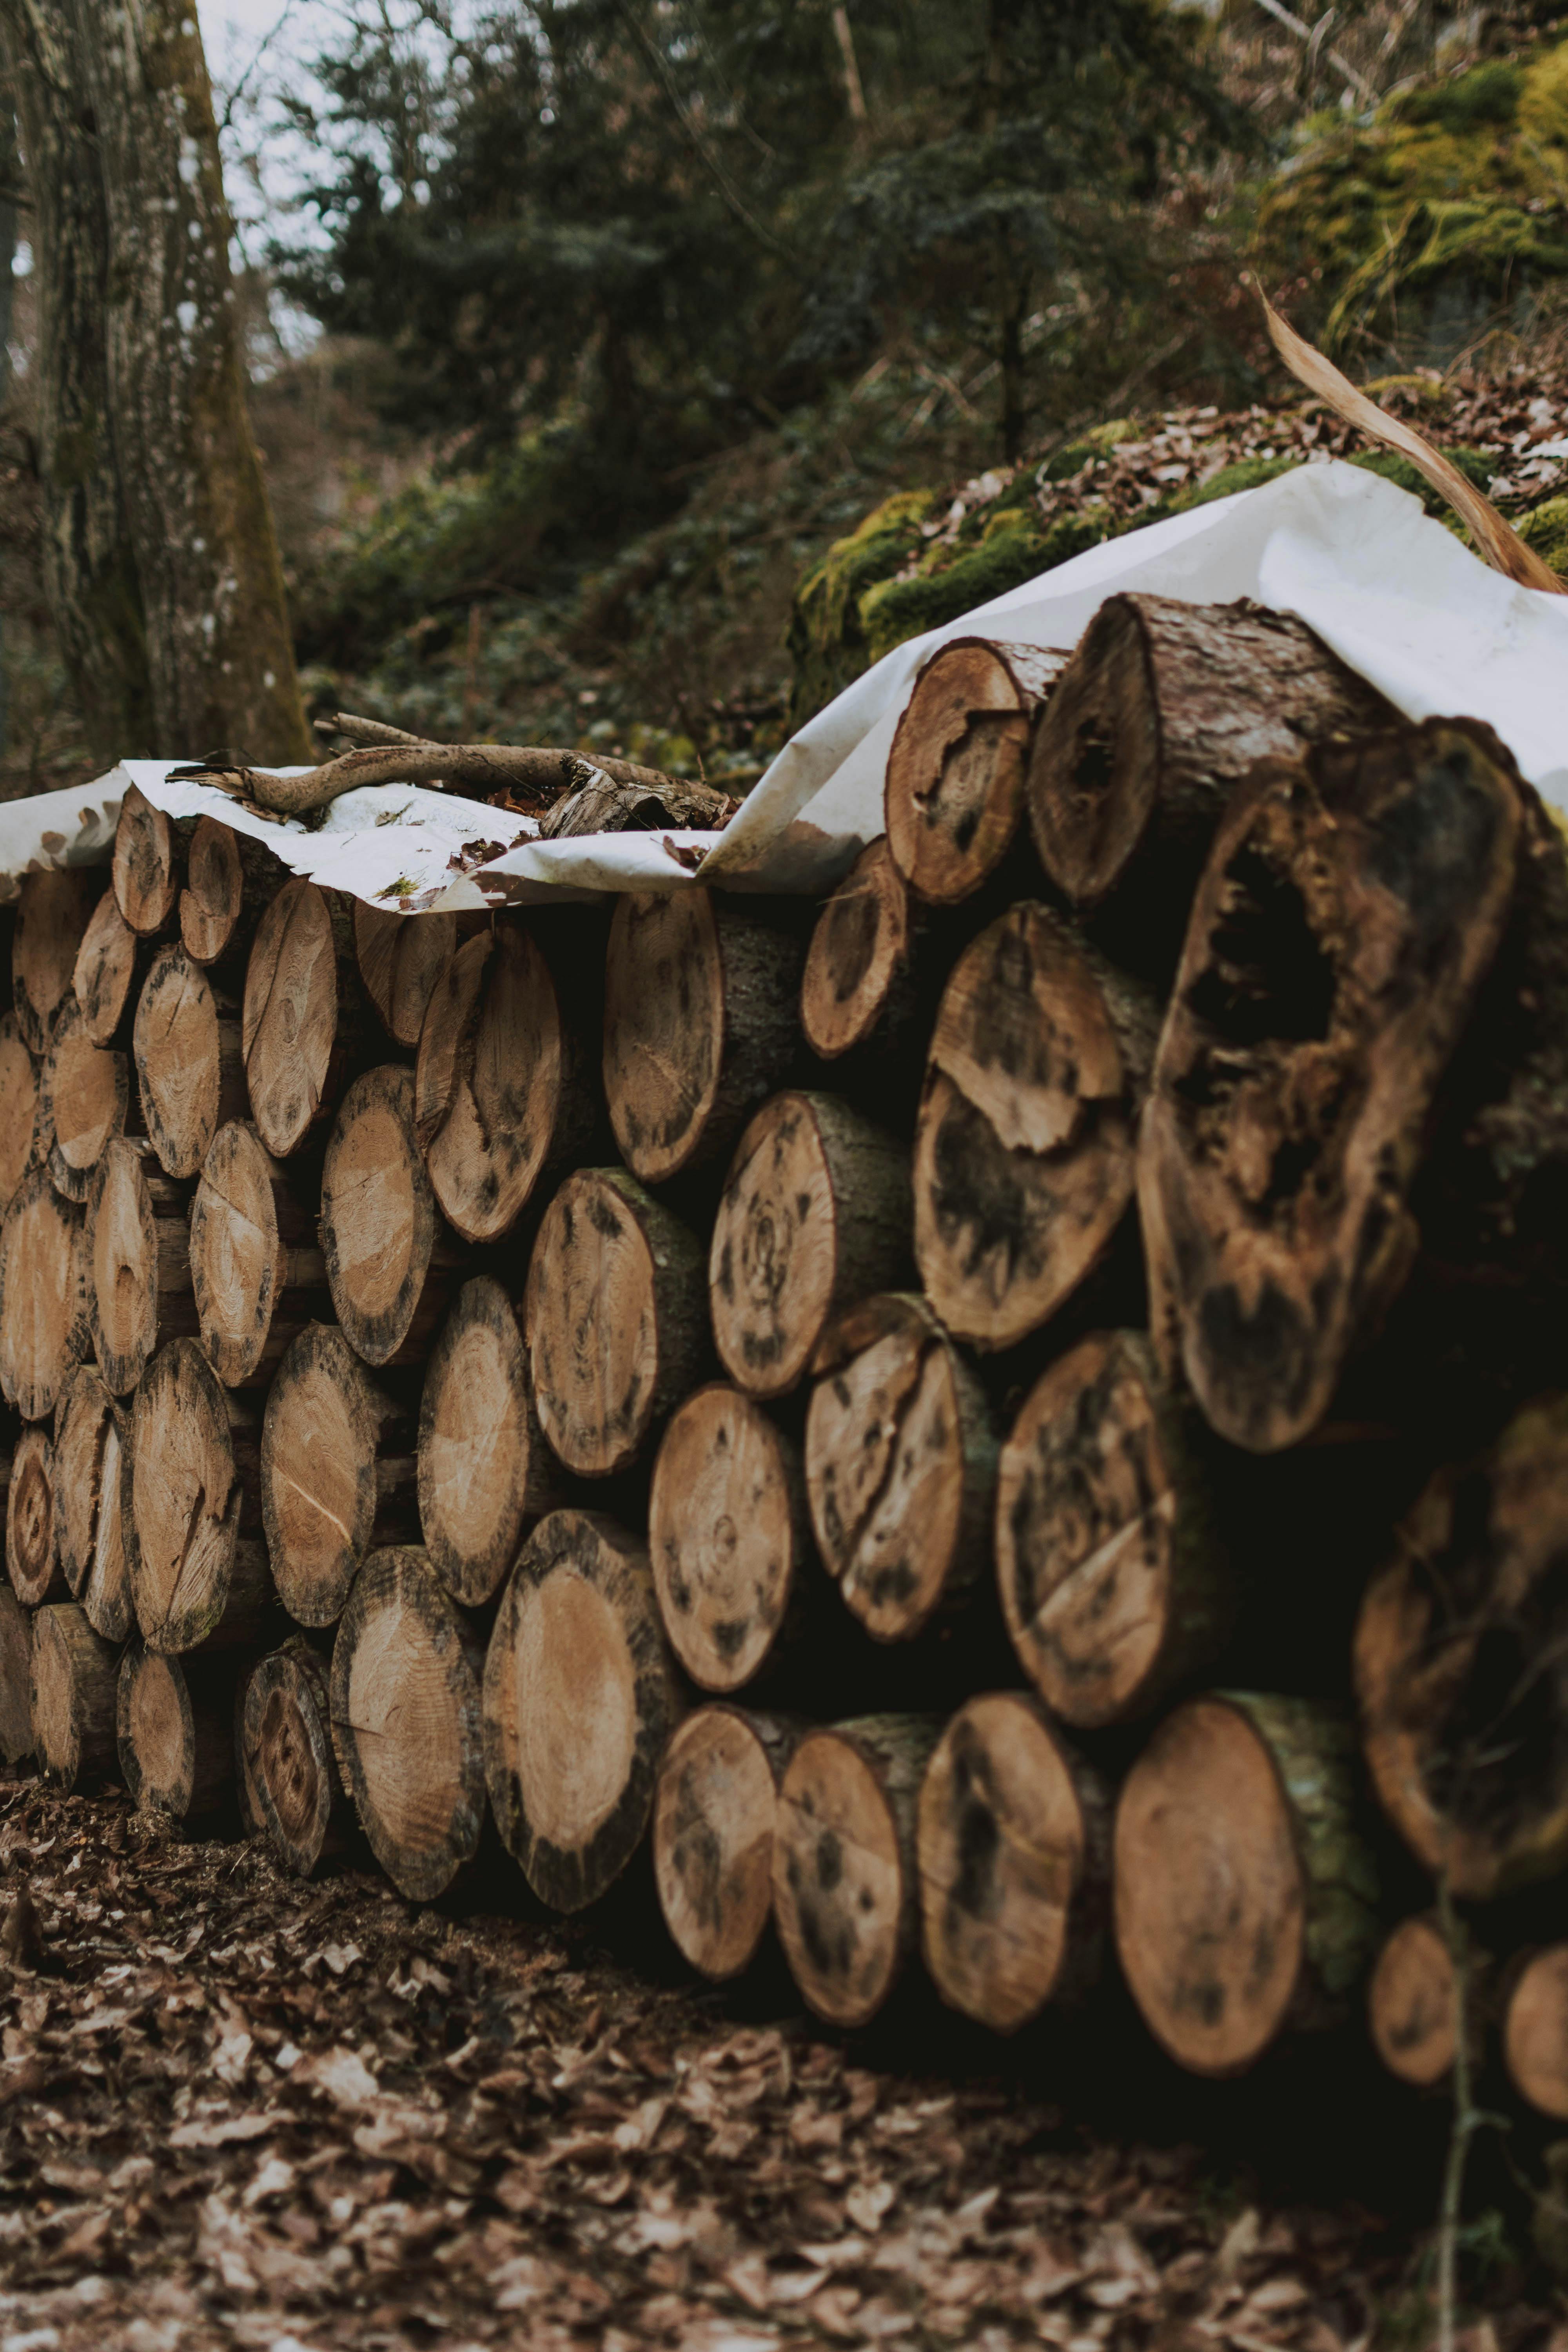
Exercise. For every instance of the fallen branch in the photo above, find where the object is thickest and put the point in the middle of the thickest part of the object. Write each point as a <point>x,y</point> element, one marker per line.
<point>525,775</point>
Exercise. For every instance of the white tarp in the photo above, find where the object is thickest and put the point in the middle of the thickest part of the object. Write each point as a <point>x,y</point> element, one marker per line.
<point>1394,593</point>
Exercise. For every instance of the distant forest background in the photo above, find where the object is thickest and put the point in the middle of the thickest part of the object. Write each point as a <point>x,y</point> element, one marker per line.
<point>629,373</point>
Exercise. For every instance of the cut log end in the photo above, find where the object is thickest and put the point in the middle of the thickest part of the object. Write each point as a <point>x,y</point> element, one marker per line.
<point>188,1066</point>
<point>859,957</point>
<point>88,1455</point>
<point>145,882</point>
<point>288,1736</point>
<point>120,1243</point>
<point>74,1677</point>
<point>291,1016</point>
<point>32,1522</point>
<point>320,1435</point>
<point>727,1535</point>
<point>53,910</point>
<point>402,961</point>
<point>43,1304</point>
<point>579,1701</point>
<point>378,1214</point>
<point>954,788</point>
<point>1535,2033</point>
<point>845,1883</point>
<point>405,1723</point>
<point>1410,2005</point>
<point>713,1838</point>
<point>214,895</point>
<point>85,1095</point>
<point>1012,1867</point>
<point>24,1134</point>
<point>237,1252</point>
<point>187,1497</point>
<point>104,969</point>
<point>174,1729</point>
<point>482,1462</point>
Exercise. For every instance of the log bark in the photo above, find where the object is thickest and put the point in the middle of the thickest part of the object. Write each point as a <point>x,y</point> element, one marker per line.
<point>190,1070</point>
<point>1162,710</point>
<point>714,1834</point>
<point>900,1468</point>
<point>54,907</point>
<point>402,959</point>
<point>405,1689</point>
<point>815,1215</point>
<point>388,1263</point>
<point>90,1430</point>
<point>15,1679</point>
<point>1014,1844</point>
<point>700,1023</point>
<point>1025,1156</point>
<point>1460,1668</point>
<point>1244,1897</point>
<point>483,1467</point>
<point>44,1329</point>
<point>86,1094</point>
<point>219,652</point>
<point>192,1510</point>
<point>846,1869</point>
<point>729,1536</point>
<point>502,1093</point>
<point>614,1320</point>
<point>259,1274</point>
<point>104,969</point>
<point>145,867</point>
<point>138,1251</point>
<point>858,992</point>
<point>213,900</point>
<point>580,1699</point>
<point>1410,2005</point>
<point>954,787</point>
<point>74,1672</point>
<point>612,804</point>
<point>1535,2031</point>
<point>304,1810</point>
<point>1116,1583</point>
<point>247,1789</point>
<point>302,1014</point>
<point>24,1136</point>
<point>32,1522</point>
<point>1348,914</point>
<point>339,1475</point>
<point>175,1732</point>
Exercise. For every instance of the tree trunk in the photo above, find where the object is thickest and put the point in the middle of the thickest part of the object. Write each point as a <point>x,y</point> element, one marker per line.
<point>388,1266</point>
<point>25,1137</point>
<point>1025,1146</point>
<point>846,1869</point>
<point>219,645</point>
<point>137,1249</point>
<point>104,969</point>
<point>406,1722</point>
<point>1159,715</point>
<point>74,1672</point>
<point>1116,1586</point>
<point>15,1679</point>
<point>1349,912</point>
<point>54,907</point>
<point>1461,1665</point>
<point>484,1468</point>
<point>1245,1896</point>
<point>338,1474</point>
<point>145,869</point>
<point>44,1329</point>
<point>1014,1843</point>
<point>1535,2031</point>
<point>89,567</point>
<point>954,788</point>
<point>900,1467</point>
<point>615,1319</point>
<point>257,1272</point>
<point>89,1448</point>
<point>700,1023</point>
<point>859,993</point>
<point>1410,2006</point>
<point>815,1215</point>
<point>85,1095</point>
<point>304,1013</point>
<point>175,1732</point>
<point>501,1091</point>
<point>402,959</point>
<point>189,1066</point>
<point>305,1813</point>
<point>728,1536</point>
<point>199,1576</point>
<point>714,1834</point>
<point>32,1522</point>
<point>580,1699</point>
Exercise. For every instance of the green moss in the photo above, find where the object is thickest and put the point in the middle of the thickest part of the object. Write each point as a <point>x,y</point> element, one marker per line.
<point>1490,93</point>
<point>1248,474</point>
<point>1011,548</point>
<point>1545,529</point>
<point>828,640</point>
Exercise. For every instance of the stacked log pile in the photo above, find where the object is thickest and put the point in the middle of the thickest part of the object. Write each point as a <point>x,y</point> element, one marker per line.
<point>1006,1423</point>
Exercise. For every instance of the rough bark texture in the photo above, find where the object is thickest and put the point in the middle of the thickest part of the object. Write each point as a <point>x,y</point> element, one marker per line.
<point>219,652</point>
<point>15,1679</point>
<point>815,1215</point>
<point>1115,1582</point>
<point>1244,1897</point>
<point>89,567</point>
<point>406,1722</point>
<point>1349,912</point>
<point>379,1227</point>
<point>287,1733</point>
<point>728,1535</point>
<point>1013,1839</point>
<point>338,1474</point>
<point>74,1673</point>
<point>175,1732</point>
<point>954,788</point>
<point>484,1467</point>
<point>714,1834</point>
<point>257,1272</point>
<point>138,1252</point>
<point>579,1701</point>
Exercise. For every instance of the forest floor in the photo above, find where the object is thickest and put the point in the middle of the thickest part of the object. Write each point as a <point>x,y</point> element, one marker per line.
<point>236,2109</point>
